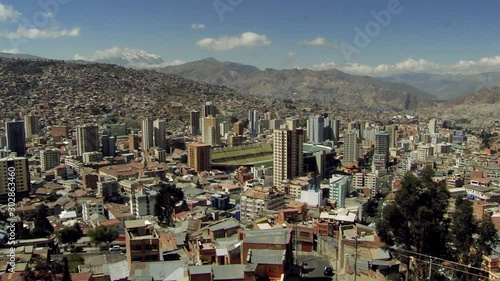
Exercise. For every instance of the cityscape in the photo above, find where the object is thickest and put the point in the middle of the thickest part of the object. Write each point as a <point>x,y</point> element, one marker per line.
<point>225,162</point>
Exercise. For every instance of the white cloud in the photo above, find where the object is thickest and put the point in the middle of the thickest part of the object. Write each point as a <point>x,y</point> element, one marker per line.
<point>224,43</point>
<point>198,26</point>
<point>8,14</point>
<point>485,64</point>
<point>318,41</point>
<point>35,33</point>
<point>10,51</point>
<point>136,58</point>
<point>291,54</point>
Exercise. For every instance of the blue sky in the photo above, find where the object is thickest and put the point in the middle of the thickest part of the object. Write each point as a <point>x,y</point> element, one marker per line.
<point>421,35</point>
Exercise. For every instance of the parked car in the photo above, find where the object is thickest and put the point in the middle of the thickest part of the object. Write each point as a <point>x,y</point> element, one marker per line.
<point>115,248</point>
<point>328,271</point>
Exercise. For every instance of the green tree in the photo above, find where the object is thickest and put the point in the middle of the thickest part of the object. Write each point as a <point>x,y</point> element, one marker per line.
<point>168,195</point>
<point>44,270</point>
<point>103,234</point>
<point>70,235</point>
<point>463,228</point>
<point>487,238</point>
<point>416,220</point>
<point>43,227</point>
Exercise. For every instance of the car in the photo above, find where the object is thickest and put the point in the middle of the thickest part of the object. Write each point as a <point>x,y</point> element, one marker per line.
<point>115,248</point>
<point>328,271</point>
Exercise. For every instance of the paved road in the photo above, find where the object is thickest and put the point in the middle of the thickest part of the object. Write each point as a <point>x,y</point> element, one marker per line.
<point>314,270</point>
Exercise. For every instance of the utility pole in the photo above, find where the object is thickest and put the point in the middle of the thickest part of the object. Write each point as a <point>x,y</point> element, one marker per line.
<point>430,268</point>
<point>355,256</point>
<point>296,256</point>
<point>336,261</point>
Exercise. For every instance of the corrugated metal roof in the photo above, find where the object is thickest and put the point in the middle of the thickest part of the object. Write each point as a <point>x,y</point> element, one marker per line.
<point>261,256</point>
<point>228,272</point>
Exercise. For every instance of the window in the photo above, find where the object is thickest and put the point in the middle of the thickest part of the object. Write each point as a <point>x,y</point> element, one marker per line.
<point>304,234</point>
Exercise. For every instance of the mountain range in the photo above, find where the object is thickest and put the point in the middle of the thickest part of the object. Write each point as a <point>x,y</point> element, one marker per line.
<point>330,86</point>
<point>448,86</point>
<point>396,92</point>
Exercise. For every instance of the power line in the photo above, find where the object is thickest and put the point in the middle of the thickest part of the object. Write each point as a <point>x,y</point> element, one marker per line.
<point>436,258</point>
<point>443,266</point>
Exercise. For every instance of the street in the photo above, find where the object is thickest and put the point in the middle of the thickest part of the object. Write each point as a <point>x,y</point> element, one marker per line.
<point>314,266</point>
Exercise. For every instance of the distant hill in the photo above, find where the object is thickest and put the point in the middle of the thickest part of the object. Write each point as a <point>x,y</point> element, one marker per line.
<point>330,86</point>
<point>447,86</point>
<point>18,56</point>
<point>481,97</point>
<point>480,108</point>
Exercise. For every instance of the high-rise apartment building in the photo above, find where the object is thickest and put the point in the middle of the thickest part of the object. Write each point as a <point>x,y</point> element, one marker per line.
<point>133,142</point>
<point>208,109</point>
<point>159,154</point>
<point>393,135</point>
<point>225,127</point>
<point>147,134</point>
<point>211,131</point>
<point>287,154</point>
<point>31,125</point>
<point>352,148</point>
<point>432,126</point>
<point>339,189</point>
<point>316,129</point>
<point>194,122</point>
<point>238,128</point>
<point>356,126</point>
<point>16,138</point>
<point>253,119</point>
<point>366,180</point>
<point>87,139</point>
<point>291,124</point>
<point>267,115</point>
<point>19,175</point>
<point>332,129</point>
<point>49,159</point>
<point>159,132</point>
<point>199,156</point>
<point>382,143</point>
<point>108,146</point>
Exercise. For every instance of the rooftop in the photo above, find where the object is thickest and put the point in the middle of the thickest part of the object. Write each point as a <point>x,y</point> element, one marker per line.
<point>261,256</point>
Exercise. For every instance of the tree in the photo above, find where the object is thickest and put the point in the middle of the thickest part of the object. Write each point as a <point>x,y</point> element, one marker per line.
<point>43,270</point>
<point>463,228</point>
<point>103,234</point>
<point>488,236</point>
<point>70,235</point>
<point>66,275</point>
<point>416,220</point>
<point>166,198</point>
<point>43,227</point>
